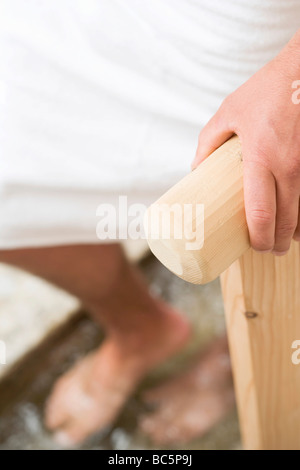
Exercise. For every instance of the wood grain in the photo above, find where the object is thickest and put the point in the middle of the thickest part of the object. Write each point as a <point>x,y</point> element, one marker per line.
<point>217,184</point>
<point>262,304</point>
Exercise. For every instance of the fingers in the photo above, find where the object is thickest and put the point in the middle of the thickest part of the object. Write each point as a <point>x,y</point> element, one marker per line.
<point>286,217</point>
<point>260,205</point>
<point>272,209</point>
<point>216,132</point>
<point>271,197</point>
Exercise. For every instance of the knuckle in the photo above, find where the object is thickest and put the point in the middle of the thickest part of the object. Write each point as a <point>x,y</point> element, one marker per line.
<point>261,216</point>
<point>285,229</point>
<point>261,155</point>
<point>292,170</point>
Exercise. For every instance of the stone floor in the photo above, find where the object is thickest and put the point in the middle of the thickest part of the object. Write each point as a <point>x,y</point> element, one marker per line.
<point>30,311</point>
<point>57,335</point>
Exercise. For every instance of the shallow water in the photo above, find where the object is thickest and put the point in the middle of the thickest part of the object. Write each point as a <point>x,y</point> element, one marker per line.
<point>23,395</point>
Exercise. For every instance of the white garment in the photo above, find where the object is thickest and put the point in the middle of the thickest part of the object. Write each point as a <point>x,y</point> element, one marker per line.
<point>101,98</point>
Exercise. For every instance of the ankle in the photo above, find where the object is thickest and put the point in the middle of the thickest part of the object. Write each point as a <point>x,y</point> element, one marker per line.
<point>164,330</point>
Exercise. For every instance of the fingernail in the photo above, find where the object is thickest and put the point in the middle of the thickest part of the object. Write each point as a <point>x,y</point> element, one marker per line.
<point>264,252</point>
<point>63,439</point>
<point>296,238</point>
<point>279,253</point>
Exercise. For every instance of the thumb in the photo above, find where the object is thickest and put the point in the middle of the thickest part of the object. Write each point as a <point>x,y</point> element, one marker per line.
<point>213,135</point>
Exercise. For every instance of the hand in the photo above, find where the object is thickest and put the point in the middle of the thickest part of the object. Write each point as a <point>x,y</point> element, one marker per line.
<point>262,113</point>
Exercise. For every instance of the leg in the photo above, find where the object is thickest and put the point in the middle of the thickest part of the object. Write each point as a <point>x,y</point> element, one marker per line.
<point>141,332</point>
<point>262,300</point>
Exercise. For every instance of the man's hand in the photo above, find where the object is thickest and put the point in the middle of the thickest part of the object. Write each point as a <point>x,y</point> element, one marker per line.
<point>262,113</point>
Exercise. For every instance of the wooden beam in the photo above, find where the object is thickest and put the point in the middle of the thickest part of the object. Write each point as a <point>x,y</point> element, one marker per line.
<point>262,304</point>
<point>217,185</point>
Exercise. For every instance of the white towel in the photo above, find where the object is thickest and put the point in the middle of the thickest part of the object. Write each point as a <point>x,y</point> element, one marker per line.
<point>101,98</point>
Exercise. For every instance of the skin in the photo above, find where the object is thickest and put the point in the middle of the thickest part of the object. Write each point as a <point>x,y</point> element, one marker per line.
<point>188,405</point>
<point>262,113</point>
<point>142,331</point>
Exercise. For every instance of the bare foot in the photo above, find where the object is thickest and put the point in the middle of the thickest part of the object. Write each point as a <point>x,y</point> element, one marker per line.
<point>90,396</point>
<point>189,405</point>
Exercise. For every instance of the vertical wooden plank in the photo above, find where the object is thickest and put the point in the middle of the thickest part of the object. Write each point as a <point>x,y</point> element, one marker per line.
<point>262,304</point>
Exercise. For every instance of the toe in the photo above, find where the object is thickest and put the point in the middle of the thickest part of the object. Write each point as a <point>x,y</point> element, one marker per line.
<point>159,429</point>
<point>80,428</point>
<point>71,436</point>
<point>64,439</point>
<point>56,414</point>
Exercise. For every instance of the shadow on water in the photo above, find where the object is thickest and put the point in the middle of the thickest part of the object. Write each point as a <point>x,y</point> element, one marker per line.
<point>23,394</point>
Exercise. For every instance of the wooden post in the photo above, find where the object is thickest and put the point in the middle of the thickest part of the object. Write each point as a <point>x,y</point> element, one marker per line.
<point>262,303</point>
<point>261,294</point>
<point>217,184</point>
